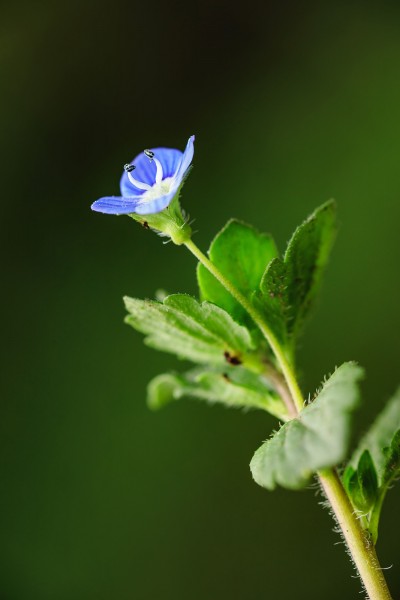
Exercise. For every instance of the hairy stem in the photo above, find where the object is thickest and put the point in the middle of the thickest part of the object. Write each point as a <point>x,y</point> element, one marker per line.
<point>360,545</point>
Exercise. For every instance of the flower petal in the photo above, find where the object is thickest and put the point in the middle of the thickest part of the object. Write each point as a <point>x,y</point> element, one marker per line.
<point>154,206</point>
<point>145,171</point>
<point>169,159</point>
<point>186,160</point>
<point>116,205</point>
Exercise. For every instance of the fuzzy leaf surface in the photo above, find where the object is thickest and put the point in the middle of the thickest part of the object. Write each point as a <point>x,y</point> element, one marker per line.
<point>317,439</point>
<point>289,286</point>
<point>181,325</point>
<point>235,387</point>
<point>242,254</point>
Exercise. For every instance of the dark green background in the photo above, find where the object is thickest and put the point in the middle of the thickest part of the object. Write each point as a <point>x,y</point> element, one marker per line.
<point>292,103</point>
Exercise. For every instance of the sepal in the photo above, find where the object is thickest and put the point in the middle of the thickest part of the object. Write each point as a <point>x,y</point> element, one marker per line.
<point>171,222</point>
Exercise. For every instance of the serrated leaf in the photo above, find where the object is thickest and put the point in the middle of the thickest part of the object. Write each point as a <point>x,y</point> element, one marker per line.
<point>235,387</point>
<point>317,439</point>
<point>289,286</point>
<point>202,333</point>
<point>241,253</point>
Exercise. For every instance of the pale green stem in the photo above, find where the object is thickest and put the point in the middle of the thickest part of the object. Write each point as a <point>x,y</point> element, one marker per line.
<point>359,543</point>
<point>361,547</point>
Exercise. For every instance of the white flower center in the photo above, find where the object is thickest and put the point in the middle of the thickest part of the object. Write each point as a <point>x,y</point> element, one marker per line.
<point>158,189</point>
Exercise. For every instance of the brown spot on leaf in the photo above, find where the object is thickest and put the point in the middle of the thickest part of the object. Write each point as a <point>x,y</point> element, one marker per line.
<point>231,359</point>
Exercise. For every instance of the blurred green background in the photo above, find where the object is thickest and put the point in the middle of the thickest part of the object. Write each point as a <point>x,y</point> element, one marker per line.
<point>291,103</point>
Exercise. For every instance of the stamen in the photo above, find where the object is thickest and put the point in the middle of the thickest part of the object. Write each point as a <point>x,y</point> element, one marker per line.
<point>159,172</point>
<point>141,186</point>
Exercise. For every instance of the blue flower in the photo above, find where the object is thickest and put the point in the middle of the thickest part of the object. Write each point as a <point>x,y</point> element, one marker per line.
<point>150,182</point>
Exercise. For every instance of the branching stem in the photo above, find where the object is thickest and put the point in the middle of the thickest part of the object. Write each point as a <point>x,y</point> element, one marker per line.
<point>360,545</point>
<point>281,387</point>
<point>258,319</point>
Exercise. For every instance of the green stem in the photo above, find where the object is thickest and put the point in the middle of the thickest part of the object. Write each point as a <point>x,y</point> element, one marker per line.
<point>281,387</point>
<point>359,543</point>
<point>361,547</point>
<point>258,319</point>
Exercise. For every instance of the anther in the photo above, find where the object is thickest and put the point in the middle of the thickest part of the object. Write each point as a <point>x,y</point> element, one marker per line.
<point>139,184</point>
<point>159,170</point>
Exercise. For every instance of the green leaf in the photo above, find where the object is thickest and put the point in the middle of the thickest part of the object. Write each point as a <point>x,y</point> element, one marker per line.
<point>317,439</point>
<point>235,387</point>
<point>202,333</point>
<point>273,301</point>
<point>382,443</point>
<point>241,253</point>
<point>162,390</point>
<point>380,437</point>
<point>289,286</point>
<point>391,470</point>
<point>362,483</point>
